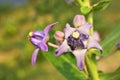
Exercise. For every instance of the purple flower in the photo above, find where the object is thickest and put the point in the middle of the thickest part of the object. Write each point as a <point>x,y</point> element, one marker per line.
<point>78,41</point>
<point>118,45</point>
<point>39,39</point>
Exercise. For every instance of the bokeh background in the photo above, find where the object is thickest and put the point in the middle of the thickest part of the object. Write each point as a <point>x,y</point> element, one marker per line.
<point>19,17</point>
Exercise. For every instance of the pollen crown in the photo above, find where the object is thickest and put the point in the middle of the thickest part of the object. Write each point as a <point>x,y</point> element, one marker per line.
<point>76,34</point>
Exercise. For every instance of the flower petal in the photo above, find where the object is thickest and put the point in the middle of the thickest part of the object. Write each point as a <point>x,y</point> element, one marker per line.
<point>93,44</point>
<point>85,28</point>
<point>43,46</point>
<point>80,57</point>
<point>34,56</point>
<point>35,41</point>
<point>63,48</point>
<point>78,20</point>
<point>68,30</point>
<point>48,27</point>
<point>38,33</point>
<point>96,36</point>
<point>36,37</point>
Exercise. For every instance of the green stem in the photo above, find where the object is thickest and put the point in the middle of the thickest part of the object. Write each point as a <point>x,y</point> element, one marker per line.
<point>87,2</point>
<point>80,2</point>
<point>90,20</point>
<point>83,2</point>
<point>91,66</point>
<point>91,58</point>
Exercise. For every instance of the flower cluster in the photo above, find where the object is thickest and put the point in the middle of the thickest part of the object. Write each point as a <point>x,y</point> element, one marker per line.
<point>78,40</point>
<point>75,39</point>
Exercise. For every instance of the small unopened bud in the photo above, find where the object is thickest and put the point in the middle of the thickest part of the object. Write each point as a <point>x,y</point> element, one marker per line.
<point>78,20</point>
<point>59,36</point>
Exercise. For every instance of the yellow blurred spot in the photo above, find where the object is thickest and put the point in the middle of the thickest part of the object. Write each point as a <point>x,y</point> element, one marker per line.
<point>76,34</point>
<point>30,34</point>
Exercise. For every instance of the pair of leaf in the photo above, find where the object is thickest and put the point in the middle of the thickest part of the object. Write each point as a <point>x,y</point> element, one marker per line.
<point>66,64</point>
<point>101,5</point>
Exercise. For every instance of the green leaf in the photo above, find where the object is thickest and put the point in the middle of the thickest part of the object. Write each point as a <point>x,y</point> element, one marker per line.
<point>109,43</point>
<point>65,64</point>
<point>101,5</point>
<point>111,76</point>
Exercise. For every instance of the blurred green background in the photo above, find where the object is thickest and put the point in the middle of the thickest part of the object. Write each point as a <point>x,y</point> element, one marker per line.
<point>19,17</point>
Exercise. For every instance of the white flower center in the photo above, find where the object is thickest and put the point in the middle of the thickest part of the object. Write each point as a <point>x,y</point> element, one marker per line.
<point>76,34</point>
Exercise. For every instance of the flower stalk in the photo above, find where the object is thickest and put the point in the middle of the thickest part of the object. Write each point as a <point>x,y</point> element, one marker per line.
<point>90,20</point>
<point>52,45</point>
<point>80,2</point>
<point>91,66</point>
<point>90,58</point>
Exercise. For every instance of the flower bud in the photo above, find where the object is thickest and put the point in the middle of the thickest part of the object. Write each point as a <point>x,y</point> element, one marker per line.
<point>78,20</point>
<point>59,36</point>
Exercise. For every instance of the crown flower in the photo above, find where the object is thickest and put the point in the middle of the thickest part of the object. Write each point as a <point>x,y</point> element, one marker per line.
<point>78,40</point>
<point>39,39</point>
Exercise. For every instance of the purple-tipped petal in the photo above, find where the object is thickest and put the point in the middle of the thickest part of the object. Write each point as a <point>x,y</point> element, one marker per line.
<point>47,29</point>
<point>35,41</point>
<point>78,20</point>
<point>93,44</point>
<point>37,37</point>
<point>63,48</point>
<point>80,57</point>
<point>38,33</point>
<point>68,30</point>
<point>43,46</point>
<point>34,56</point>
<point>85,28</point>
